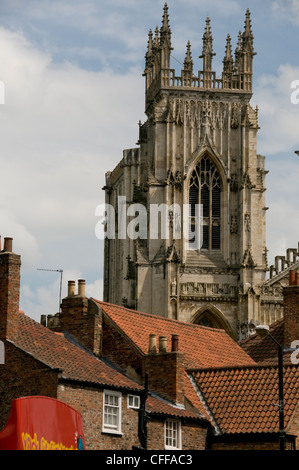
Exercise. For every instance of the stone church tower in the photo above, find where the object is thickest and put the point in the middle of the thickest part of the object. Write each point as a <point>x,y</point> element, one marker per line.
<point>197,149</point>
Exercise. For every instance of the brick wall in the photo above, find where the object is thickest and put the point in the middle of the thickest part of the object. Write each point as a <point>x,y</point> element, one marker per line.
<point>89,403</point>
<point>121,351</point>
<point>291,313</point>
<point>193,436</point>
<point>22,375</point>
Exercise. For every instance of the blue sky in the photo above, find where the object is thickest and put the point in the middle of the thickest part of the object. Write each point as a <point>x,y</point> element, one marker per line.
<point>74,94</point>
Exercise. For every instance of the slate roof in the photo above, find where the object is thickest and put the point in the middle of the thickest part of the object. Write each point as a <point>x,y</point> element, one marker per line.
<point>244,400</point>
<point>202,346</point>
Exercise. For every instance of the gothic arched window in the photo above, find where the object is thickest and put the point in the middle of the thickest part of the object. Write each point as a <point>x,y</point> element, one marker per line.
<point>205,190</point>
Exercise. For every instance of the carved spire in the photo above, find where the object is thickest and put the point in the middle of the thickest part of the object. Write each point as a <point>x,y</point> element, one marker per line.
<point>149,53</point>
<point>247,28</point>
<point>247,37</point>
<point>188,67</point>
<point>248,53</point>
<point>228,62</point>
<point>188,62</point>
<point>238,54</point>
<point>156,43</point>
<point>165,31</point>
<point>207,50</point>
<point>165,40</point>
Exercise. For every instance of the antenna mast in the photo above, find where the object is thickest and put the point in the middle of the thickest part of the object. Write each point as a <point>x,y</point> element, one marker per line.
<point>60,289</point>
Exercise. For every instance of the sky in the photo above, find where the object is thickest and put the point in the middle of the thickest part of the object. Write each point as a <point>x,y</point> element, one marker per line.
<point>73,97</point>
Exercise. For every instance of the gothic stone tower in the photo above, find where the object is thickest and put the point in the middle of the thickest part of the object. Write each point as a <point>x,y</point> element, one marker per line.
<point>197,148</point>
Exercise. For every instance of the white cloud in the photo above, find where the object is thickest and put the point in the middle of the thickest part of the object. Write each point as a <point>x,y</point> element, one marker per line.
<point>62,128</point>
<point>95,289</point>
<point>279,117</point>
<point>287,9</point>
<point>277,140</point>
<point>24,241</point>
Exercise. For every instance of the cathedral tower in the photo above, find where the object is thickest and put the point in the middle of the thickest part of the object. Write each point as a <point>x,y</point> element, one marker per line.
<point>196,161</point>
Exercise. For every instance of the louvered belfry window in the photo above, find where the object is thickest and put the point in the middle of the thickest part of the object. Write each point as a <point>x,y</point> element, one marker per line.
<point>205,190</point>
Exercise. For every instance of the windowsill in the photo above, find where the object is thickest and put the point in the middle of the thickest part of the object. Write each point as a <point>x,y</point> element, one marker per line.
<point>113,433</point>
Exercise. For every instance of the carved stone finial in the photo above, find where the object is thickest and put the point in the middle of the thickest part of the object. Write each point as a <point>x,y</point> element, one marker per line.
<point>149,53</point>
<point>207,49</point>
<point>247,37</point>
<point>165,31</point>
<point>228,62</point>
<point>188,62</point>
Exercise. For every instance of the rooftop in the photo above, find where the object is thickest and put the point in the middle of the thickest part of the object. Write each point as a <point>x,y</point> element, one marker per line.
<point>244,399</point>
<point>202,346</point>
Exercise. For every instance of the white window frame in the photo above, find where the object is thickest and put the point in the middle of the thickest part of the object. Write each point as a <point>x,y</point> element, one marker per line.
<point>135,399</point>
<point>110,428</point>
<point>173,445</point>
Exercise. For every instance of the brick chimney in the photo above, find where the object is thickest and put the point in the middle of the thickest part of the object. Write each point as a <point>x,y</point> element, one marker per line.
<point>165,369</point>
<point>291,309</point>
<point>10,267</point>
<point>81,317</point>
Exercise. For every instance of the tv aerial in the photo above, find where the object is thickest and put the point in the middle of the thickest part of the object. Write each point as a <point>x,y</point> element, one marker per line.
<point>60,288</point>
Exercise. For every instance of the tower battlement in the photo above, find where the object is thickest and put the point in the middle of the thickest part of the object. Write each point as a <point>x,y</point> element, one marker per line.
<point>237,70</point>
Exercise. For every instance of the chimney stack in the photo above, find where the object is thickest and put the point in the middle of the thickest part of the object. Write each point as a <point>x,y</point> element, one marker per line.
<point>81,318</point>
<point>81,288</point>
<point>7,244</point>
<point>152,343</point>
<point>291,309</point>
<point>71,288</point>
<point>165,369</point>
<point>10,266</point>
<point>175,343</point>
<point>162,344</point>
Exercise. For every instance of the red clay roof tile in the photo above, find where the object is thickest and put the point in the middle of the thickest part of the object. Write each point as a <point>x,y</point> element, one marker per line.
<point>240,405</point>
<point>57,352</point>
<point>202,346</point>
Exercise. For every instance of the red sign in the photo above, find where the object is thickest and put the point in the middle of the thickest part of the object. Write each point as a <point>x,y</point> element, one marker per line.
<point>42,423</point>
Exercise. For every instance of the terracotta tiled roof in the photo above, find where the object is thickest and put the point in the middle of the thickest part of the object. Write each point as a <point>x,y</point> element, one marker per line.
<point>202,346</point>
<point>244,400</point>
<point>264,350</point>
<point>57,352</point>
